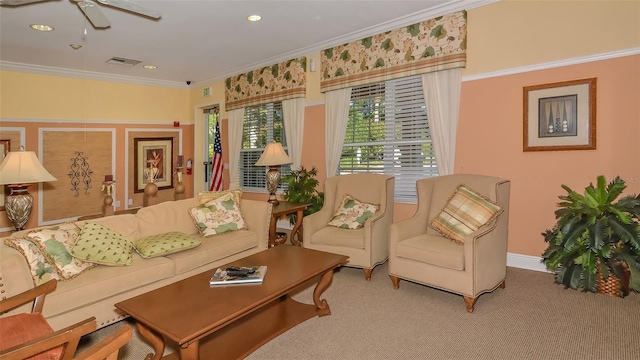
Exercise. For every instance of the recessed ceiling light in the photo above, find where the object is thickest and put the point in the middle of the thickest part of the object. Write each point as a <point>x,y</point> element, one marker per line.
<point>254,17</point>
<point>150,67</point>
<point>75,46</point>
<point>41,27</point>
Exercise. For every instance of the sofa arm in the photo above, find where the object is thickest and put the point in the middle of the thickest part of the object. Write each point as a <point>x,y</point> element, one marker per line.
<point>312,223</point>
<point>257,215</point>
<point>15,276</point>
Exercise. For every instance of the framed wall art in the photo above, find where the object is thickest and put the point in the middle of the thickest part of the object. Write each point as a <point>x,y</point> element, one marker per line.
<point>560,116</point>
<point>155,154</point>
<point>5,146</point>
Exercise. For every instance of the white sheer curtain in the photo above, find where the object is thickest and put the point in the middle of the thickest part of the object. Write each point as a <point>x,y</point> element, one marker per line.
<point>442,98</point>
<point>336,117</point>
<point>236,120</point>
<point>293,113</point>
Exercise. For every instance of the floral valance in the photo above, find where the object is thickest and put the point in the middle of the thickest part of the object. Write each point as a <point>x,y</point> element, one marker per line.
<point>286,80</point>
<point>431,45</point>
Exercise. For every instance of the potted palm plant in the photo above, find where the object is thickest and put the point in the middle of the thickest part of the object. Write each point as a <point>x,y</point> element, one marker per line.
<point>595,243</point>
<point>301,188</point>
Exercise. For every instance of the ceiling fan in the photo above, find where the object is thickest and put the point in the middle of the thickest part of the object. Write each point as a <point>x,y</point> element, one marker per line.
<point>93,12</point>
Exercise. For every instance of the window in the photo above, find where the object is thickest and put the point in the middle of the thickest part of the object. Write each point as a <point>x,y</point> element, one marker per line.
<point>388,133</point>
<point>262,125</point>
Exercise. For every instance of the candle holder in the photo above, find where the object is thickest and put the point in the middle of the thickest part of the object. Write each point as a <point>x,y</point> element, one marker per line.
<point>107,204</point>
<point>179,189</point>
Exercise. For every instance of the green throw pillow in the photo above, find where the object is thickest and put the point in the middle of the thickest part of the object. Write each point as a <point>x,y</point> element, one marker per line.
<point>55,244</point>
<point>164,244</point>
<point>352,214</point>
<point>465,213</point>
<point>101,245</point>
<point>41,270</point>
<point>218,216</point>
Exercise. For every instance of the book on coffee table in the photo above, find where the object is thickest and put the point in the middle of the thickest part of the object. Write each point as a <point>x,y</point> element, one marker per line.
<point>238,275</point>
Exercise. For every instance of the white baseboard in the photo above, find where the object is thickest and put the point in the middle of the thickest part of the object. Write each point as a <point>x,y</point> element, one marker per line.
<point>525,262</point>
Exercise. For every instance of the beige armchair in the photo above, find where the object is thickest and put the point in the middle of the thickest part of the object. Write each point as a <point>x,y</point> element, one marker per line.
<point>366,247</point>
<point>420,254</point>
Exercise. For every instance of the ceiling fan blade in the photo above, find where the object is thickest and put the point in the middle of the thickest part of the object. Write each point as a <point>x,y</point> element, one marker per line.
<point>19,2</point>
<point>130,6</point>
<point>94,14</point>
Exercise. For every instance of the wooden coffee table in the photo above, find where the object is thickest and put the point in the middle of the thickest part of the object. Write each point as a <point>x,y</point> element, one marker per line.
<point>232,321</point>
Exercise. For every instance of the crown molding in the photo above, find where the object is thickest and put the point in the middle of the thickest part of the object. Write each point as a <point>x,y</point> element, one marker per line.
<point>447,8</point>
<point>554,64</point>
<point>82,74</point>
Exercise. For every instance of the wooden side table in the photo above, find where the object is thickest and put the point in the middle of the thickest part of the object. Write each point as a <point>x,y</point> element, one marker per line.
<point>286,208</point>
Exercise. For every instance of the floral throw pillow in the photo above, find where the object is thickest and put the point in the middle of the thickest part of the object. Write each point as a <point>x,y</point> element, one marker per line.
<point>465,213</point>
<point>218,216</point>
<point>206,196</point>
<point>55,243</point>
<point>101,245</point>
<point>41,270</point>
<point>352,214</point>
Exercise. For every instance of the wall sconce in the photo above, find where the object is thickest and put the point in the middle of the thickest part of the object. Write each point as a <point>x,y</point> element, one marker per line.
<point>273,156</point>
<point>19,170</point>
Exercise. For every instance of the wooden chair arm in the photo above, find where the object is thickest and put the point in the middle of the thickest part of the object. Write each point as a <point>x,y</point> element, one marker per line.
<point>36,295</point>
<point>108,348</point>
<point>69,337</point>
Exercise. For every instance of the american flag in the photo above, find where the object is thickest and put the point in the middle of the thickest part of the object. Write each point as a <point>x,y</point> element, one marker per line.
<point>216,171</point>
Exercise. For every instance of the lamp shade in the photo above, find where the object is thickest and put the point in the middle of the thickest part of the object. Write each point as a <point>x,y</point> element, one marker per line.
<point>23,167</point>
<point>273,155</point>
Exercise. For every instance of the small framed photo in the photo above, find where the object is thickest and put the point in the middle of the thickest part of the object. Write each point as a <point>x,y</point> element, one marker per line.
<point>560,116</point>
<point>153,157</point>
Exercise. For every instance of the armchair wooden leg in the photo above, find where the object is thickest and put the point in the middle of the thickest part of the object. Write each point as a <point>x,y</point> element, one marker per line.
<point>502,285</point>
<point>396,281</point>
<point>471,302</point>
<point>367,273</point>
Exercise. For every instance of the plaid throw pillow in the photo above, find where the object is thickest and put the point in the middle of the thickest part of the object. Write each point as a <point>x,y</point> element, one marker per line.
<point>465,213</point>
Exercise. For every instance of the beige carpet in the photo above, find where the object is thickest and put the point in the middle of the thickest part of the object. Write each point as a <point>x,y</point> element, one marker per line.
<point>532,318</point>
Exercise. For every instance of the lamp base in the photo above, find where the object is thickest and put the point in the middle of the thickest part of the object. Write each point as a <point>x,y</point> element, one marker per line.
<point>273,179</point>
<point>18,205</point>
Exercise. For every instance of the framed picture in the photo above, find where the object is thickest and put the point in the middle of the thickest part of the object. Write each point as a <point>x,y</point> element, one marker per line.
<point>156,155</point>
<point>560,116</point>
<point>5,146</point>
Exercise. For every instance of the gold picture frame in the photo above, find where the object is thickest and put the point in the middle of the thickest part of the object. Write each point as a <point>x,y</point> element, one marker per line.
<point>159,151</point>
<point>5,146</point>
<point>560,116</point>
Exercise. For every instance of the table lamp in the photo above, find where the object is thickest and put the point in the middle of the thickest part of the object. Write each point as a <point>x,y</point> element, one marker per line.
<point>273,156</point>
<point>18,170</point>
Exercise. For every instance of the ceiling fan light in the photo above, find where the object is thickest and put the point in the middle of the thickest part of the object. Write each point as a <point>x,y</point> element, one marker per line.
<point>41,27</point>
<point>75,46</point>
<point>150,67</point>
<point>254,18</point>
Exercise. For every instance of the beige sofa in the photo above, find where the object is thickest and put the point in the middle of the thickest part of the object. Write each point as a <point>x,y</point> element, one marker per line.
<point>94,292</point>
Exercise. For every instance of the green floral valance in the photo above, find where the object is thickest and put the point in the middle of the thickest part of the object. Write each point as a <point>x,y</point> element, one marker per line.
<point>286,80</point>
<point>432,45</point>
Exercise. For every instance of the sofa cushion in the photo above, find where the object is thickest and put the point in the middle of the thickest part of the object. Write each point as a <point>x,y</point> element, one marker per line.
<point>166,217</point>
<point>465,212</point>
<point>218,216</point>
<point>55,243</point>
<point>41,270</point>
<point>432,249</point>
<point>352,213</point>
<point>164,244</point>
<point>339,237</point>
<point>213,249</point>
<point>103,282</point>
<point>101,245</point>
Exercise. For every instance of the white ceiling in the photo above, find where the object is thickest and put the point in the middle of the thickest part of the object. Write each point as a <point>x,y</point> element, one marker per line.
<point>199,41</point>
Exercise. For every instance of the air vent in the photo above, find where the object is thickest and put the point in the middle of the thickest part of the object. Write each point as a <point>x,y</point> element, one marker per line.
<point>123,61</point>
